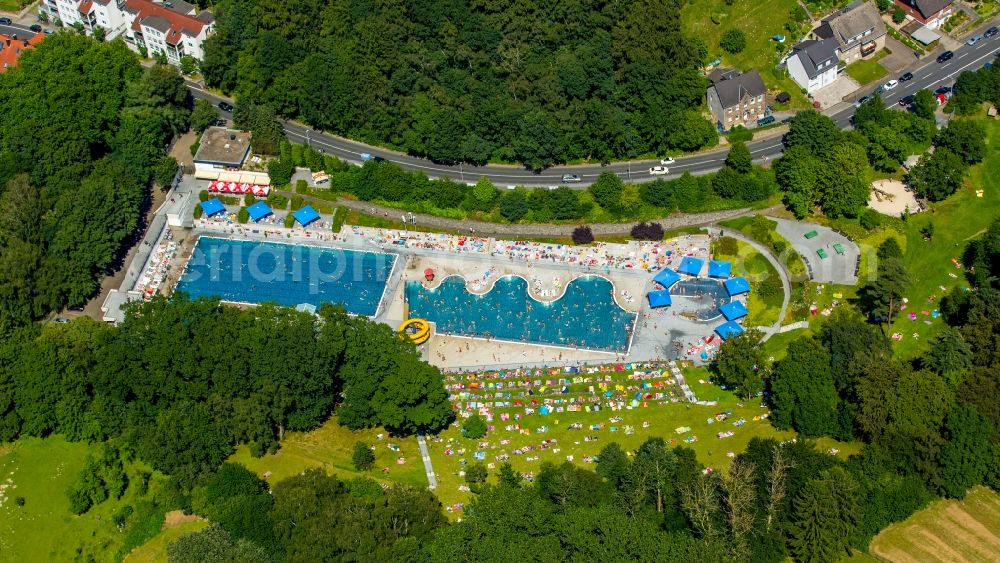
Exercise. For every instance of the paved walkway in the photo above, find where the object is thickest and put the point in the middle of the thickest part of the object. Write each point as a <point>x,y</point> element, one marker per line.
<point>508,230</point>
<point>432,482</point>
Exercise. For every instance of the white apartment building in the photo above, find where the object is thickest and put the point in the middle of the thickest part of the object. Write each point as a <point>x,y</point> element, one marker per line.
<point>172,27</point>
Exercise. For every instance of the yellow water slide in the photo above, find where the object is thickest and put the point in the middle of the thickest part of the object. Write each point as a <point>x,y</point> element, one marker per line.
<point>417,331</point>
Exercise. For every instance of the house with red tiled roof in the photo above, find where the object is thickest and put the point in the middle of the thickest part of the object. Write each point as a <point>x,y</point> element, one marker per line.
<point>930,13</point>
<point>11,47</point>
<point>172,27</point>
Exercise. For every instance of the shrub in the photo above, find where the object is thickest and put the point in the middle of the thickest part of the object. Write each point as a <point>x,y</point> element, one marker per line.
<point>363,458</point>
<point>514,205</point>
<point>869,219</point>
<point>203,195</point>
<point>277,201</point>
<point>727,246</point>
<point>249,199</point>
<point>289,221</point>
<point>583,235</point>
<point>474,427</point>
<point>733,41</point>
<point>475,476</point>
<point>647,231</point>
<point>242,216</point>
<point>301,186</point>
<point>898,15</point>
<point>740,134</point>
<point>296,202</point>
<point>198,212</point>
<point>19,501</point>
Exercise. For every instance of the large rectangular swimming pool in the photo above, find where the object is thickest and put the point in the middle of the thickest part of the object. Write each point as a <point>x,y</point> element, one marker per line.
<point>288,274</point>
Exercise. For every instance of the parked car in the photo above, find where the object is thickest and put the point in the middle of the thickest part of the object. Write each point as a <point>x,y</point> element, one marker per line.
<point>226,106</point>
<point>974,39</point>
<point>991,32</point>
<point>35,27</point>
<point>906,101</point>
<point>906,76</point>
<point>570,178</point>
<point>765,121</point>
<point>658,170</point>
<point>61,320</point>
<point>49,31</point>
<point>945,56</point>
<point>5,21</point>
<point>890,85</point>
<point>220,122</point>
<point>667,161</point>
<point>946,90</point>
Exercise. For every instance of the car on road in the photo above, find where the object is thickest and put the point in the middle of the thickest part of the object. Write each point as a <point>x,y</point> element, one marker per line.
<point>991,32</point>
<point>667,161</point>
<point>35,27</point>
<point>61,320</point>
<point>945,56</point>
<point>861,101</point>
<point>906,76</point>
<point>5,21</point>
<point>974,39</point>
<point>890,85</point>
<point>658,170</point>
<point>220,122</point>
<point>365,157</point>
<point>906,101</point>
<point>226,106</point>
<point>570,178</point>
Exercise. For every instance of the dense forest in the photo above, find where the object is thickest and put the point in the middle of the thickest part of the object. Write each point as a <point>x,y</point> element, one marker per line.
<point>180,383</point>
<point>471,81</point>
<point>82,131</point>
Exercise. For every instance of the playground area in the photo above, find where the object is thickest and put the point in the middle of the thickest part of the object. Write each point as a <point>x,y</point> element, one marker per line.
<point>892,197</point>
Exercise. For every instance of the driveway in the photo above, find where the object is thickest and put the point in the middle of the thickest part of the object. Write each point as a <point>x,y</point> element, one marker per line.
<point>835,92</point>
<point>899,58</point>
<point>835,268</point>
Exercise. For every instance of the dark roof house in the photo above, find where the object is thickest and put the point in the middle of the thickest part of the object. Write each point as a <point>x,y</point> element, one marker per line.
<point>816,56</point>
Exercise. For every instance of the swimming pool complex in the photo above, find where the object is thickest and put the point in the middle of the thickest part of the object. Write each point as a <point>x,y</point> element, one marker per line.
<point>586,316</point>
<point>288,274</point>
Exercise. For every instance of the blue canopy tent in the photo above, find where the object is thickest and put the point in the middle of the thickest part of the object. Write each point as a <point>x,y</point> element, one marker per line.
<point>666,277</point>
<point>258,211</point>
<point>691,266</point>
<point>659,298</point>
<point>733,310</point>
<point>719,269</point>
<point>306,215</point>
<point>728,329</point>
<point>736,286</point>
<point>212,207</point>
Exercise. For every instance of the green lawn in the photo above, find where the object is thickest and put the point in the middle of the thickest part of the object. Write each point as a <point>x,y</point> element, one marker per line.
<point>12,5</point>
<point>330,447</point>
<point>947,530</point>
<point>748,262</point>
<point>155,550</point>
<point>867,70</point>
<point>956,220</point>
<point>41,470</point>
<point>655,419</point>
<point>759,20</point>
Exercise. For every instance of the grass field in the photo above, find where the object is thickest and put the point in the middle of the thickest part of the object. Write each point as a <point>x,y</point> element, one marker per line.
<point>956,220</point>
<point>330,447</point>
<point>155,550</point>
<point>947,531</point>
<point>867,70</point>
<point>759,20</point>
<point>640,419</point>
<point>44,529</point>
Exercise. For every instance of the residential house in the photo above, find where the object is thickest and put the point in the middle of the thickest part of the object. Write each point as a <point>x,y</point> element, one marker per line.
<point>930,13</point>
<point>11,47</point>
<point>736,99</point>
<point>172,27</point>
<point>858,30</point>
<point>813,64</point>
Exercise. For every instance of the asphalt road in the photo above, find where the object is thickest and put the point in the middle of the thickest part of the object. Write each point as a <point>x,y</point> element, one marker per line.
<point>926,74</point>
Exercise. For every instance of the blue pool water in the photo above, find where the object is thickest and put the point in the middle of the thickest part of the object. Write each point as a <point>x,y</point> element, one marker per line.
<point>289,274</point>
<point>707,295</point>
<point>586,316</point>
